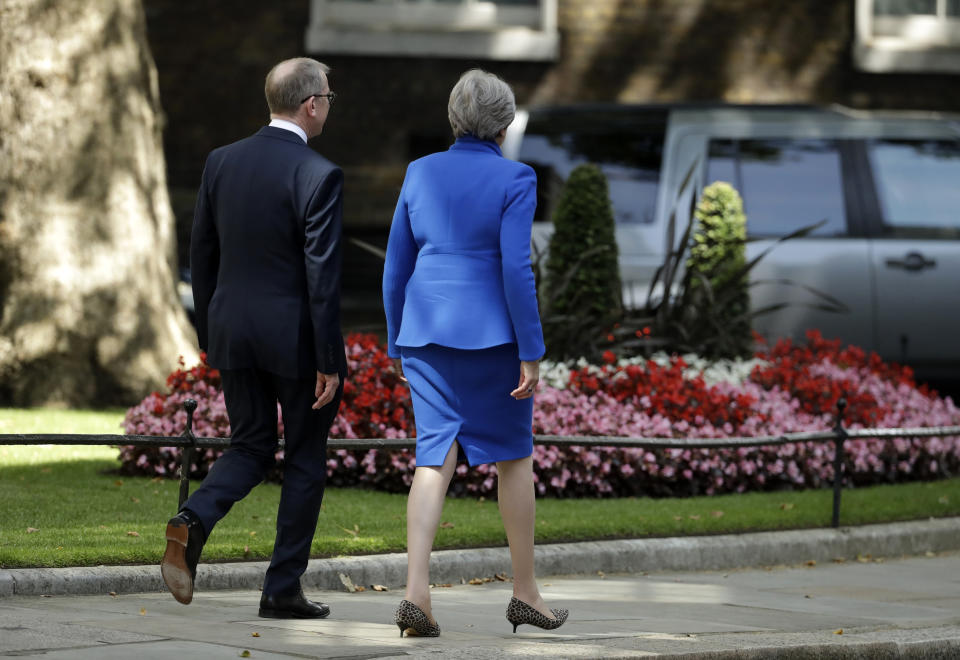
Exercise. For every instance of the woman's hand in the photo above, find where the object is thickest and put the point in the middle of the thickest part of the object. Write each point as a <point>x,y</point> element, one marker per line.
<point>398,367</point>
<point>529,377</point>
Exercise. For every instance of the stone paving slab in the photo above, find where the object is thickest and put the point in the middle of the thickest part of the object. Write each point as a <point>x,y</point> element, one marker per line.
<point>904,608</point>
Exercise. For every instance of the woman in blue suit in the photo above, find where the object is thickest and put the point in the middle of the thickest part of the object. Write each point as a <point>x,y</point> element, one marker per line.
<point>462,325</point>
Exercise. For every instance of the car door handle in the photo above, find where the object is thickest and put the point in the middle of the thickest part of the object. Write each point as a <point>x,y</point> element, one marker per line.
<point>912,261</point>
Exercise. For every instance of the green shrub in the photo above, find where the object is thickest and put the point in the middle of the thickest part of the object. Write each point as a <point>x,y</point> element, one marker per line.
<point>582,289</point>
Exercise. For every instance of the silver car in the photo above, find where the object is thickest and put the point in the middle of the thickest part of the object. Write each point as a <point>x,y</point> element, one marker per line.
<point>886,188</point>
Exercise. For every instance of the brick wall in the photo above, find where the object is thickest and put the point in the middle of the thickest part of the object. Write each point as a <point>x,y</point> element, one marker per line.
<point>212,62</point>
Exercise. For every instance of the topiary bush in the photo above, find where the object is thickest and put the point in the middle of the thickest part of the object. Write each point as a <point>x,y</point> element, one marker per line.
<point>582,289</point>
<point>717,283</point>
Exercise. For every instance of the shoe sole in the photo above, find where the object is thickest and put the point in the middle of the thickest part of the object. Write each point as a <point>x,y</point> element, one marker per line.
<point>287,614</point>
<point>174,567</point>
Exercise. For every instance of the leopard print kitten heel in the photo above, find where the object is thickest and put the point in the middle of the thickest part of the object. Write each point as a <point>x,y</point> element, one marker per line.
<point>519,613</point>
<point>411,618</point>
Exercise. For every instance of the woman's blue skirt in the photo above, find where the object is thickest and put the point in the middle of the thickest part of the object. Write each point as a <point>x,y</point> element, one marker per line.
<point>464,396</point>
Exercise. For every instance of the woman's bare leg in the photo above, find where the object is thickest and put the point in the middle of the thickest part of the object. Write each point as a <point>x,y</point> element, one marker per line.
<point>424,506</point>
<point>518,511</point>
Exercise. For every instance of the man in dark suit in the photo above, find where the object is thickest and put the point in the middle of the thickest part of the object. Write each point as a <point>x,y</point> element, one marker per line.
<point>265,261</point>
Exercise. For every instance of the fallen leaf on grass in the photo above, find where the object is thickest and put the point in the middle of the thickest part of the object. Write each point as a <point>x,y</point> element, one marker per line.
<point>254,634</point>
<point>118,483</point>
<point>694,516</point>
<point>45,470</point>
<point>944,500</point>
<point>355,531</point>
<point>143,611</point>
<point>253,533</point>
<point>135,500</point>
<point>378,587</point>
<point>246,549</point>
<point>156,480</point>
<point>678,517</point>
<point>31,530</point>
<point>133,533</point>
<point>446,525</point>
<point>717,514</point>
<point>786,506</point>
<point>103,526</point>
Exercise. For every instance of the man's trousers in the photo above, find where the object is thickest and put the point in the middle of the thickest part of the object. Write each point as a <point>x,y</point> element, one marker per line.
<point>251,397</point>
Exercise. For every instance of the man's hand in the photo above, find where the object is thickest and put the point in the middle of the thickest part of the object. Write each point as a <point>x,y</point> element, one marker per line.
<point>327,385</point>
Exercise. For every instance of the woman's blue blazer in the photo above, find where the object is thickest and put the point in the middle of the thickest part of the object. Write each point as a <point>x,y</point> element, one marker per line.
<point>458,270</point>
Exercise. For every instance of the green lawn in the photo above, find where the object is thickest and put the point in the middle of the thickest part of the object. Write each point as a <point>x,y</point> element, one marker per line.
<point>84,515</point>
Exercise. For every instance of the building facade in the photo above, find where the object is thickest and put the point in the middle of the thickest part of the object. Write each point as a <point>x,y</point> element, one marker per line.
<point>394,62</point>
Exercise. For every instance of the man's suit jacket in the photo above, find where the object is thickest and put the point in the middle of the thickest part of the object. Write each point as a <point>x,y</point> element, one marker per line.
<point>458,271</point>
<point>265,257</point>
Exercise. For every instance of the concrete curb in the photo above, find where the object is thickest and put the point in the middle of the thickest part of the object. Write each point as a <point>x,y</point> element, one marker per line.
<point>940,649</point>
<point>628,556</point>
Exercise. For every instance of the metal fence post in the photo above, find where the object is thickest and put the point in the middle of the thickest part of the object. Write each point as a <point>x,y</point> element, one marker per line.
<point>186,454</point>
<point>841,436</point>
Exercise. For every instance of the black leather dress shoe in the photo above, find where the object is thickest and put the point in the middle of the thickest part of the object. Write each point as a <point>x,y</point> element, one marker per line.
<point>185,539</point>
<point>293,606</point>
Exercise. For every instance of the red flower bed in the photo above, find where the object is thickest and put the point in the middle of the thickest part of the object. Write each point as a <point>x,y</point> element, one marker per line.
<point>795,388</point>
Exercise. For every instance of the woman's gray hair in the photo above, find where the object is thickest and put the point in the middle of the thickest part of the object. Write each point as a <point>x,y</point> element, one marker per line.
<point>291,81</point>
<point>481,104</point>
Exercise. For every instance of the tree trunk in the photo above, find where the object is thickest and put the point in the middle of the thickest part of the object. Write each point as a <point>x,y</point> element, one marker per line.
<point>89,313</point>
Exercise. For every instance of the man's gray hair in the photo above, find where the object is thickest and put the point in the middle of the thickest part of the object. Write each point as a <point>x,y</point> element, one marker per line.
<point>291,81</point>
<point>481,104</point>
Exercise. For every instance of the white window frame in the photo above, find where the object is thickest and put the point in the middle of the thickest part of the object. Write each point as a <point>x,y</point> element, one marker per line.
<point>918,42</point>
<point>464,29</point>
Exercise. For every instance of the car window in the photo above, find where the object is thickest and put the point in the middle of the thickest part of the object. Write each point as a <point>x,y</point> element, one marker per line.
<point>785,184</point>
<point>630,157</point>
<point>918,187</point>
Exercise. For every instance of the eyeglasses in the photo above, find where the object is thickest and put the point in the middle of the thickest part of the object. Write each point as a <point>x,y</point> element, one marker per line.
<point>330,96</point>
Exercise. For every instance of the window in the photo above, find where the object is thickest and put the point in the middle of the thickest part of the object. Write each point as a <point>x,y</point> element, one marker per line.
<point>487,29</point>
<point>907,35</point>
<point>916,183</point>
<point>785,184</point>
<point>630,157</point>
